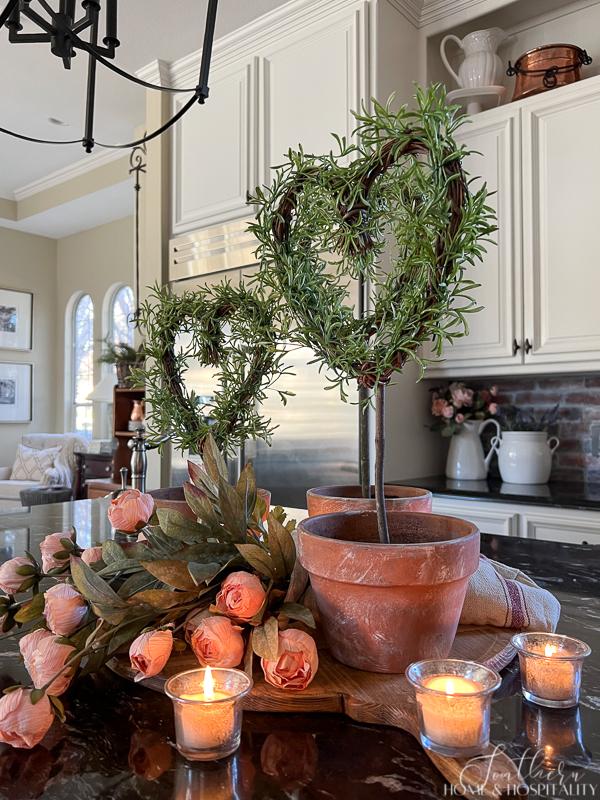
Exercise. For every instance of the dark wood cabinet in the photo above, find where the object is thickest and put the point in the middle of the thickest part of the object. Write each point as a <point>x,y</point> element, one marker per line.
<point>90,466</point>
<point>122,408</point>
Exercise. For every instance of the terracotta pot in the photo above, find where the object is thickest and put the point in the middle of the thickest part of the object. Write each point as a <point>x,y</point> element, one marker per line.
<point>174,498</point>
<point>385,606</point>
<point>332,499</point>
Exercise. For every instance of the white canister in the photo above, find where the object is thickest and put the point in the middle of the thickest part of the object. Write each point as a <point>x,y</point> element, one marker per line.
<point>525,456</point>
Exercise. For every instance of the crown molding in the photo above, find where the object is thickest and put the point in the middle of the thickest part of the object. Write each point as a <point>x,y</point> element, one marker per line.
<point>157,71</point>
<point>68,173</point>
<point>436,10</point>
<point>411,9</point>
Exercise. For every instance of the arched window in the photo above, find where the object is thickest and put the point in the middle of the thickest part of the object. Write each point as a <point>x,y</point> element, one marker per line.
<point>82,372</point>
<point>120,313</point>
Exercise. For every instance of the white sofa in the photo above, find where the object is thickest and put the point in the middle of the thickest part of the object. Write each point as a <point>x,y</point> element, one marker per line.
<point>61,474</point>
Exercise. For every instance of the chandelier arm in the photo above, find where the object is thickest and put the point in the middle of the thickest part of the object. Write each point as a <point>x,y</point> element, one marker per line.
<point>83,45</point>
<point>9,8</point>
<point>46,6</point>
<point>38,19</point>
<point>26,138</point>
<point>148,137</point>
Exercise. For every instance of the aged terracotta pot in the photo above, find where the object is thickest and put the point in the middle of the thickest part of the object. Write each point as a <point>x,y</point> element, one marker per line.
<point>331,499</point>
<point>385,606</point>
<point>174,498</point>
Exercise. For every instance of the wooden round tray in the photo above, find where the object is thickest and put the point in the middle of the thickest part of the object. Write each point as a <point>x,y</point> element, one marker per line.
<point>379,699</point>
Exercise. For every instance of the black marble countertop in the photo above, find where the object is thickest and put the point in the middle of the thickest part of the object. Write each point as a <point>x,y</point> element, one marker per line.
<point>118,738</point>
<point>560,494</point>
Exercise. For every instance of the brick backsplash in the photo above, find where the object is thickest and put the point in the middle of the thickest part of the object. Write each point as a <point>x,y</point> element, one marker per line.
<point>579,406</point>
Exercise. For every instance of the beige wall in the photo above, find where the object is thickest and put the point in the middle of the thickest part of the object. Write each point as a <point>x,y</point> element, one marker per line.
<point>90,262</point>
<point>28,262</point>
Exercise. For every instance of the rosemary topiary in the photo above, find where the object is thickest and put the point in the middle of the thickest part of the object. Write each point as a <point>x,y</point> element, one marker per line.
<point>232,330</point>
<point>328,218</point>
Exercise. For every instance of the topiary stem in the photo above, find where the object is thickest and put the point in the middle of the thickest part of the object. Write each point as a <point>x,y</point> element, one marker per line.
<point>382,525</point>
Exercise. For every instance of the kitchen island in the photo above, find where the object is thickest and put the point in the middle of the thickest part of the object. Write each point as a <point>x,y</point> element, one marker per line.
<point>117,742</point>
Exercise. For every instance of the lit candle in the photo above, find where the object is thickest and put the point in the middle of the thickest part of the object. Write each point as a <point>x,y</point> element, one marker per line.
<point>450,716</point>
<point>550,667</point>
<point>453,703</point>
<point>208,712</point>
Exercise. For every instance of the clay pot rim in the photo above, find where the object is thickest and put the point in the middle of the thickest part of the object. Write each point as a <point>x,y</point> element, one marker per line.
<point>473,533</point>
<point>404,492</point>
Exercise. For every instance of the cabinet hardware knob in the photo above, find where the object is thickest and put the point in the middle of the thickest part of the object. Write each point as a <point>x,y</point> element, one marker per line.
<point>528,346</point>
<point>516,347</point>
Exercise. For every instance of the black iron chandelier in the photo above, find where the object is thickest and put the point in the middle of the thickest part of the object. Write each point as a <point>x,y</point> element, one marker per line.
<point>63,28</point>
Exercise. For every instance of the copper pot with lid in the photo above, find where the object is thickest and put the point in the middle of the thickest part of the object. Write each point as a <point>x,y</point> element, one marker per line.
<point>547,67</point>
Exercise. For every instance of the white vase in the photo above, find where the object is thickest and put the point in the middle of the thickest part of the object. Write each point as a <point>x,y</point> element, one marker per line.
<point>481,65</point>
<point>525,456</point>
<point>466,460</point>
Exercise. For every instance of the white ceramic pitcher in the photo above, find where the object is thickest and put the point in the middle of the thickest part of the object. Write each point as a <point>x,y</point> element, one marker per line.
<point>466,461</point>
<point>525,456</point>
<point>481,65</point>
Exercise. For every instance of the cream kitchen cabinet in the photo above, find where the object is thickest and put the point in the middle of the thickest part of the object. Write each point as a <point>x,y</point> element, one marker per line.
<point>540,285</point>
<point>547,523</point>
<point>299,77</point>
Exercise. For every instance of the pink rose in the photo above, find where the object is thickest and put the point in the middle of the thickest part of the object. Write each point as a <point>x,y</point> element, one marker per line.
<point>493,408</point>
<point>50,546</point>
<point>64,609</point>
<point>150,652</point>
<point>23,724</point>
<point>468,397</point>
<point>130,511</point>
<point>241,596</point>
<point>297,661</point>
<point>217,642</point>
<point>44,657</point>
<point>448,412</point>
<point>438,406</point>
<point>91,554</point>
<point>10,580</point>
<point>460,418</point>
<point>493,391</point>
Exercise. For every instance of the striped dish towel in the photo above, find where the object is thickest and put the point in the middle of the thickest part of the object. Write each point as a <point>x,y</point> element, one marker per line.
<point>507,598</point>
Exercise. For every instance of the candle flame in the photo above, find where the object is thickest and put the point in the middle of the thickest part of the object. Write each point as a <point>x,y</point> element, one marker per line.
<point>209,684</point>
<point>550,650</point>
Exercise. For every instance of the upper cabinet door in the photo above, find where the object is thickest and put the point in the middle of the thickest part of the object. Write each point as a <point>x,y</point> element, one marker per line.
<point>311,81</point>
<point>214,163</point>
<point>493,142</point>
<point>561,225</point>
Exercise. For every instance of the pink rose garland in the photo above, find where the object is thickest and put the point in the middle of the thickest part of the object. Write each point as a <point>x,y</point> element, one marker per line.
<point>10,580</point>
<point>51,545</point>
<point>44,657</point>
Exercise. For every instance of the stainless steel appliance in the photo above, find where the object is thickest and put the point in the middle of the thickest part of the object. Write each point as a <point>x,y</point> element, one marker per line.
<point>317,438</point>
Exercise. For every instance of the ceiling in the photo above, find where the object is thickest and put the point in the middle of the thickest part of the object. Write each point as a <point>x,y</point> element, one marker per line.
<point>36,87</point>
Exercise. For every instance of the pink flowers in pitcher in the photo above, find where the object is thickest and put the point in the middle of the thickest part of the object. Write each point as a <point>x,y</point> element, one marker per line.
<point>130,511</point>
<point>457,403</point>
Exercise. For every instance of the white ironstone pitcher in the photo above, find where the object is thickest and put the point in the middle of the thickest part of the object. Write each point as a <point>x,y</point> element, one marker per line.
<point>481,65</point>
<point>466,461</point>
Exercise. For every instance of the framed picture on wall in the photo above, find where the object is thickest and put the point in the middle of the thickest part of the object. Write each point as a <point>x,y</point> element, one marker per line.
<point>15,392</point>
<point>15,319</point>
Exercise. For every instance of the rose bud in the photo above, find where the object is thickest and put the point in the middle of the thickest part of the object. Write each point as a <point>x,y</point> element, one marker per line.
<point>50,546</point>
<point>241,596</point>
<point>150,652</point>
<point>91,554</point>
<point>64,609</point>
<point>217,642</point>
<point>296,664</point>
<point>23,724</point>
<point>10,580</point>
<point>44,657</point>
<point>130,511</point>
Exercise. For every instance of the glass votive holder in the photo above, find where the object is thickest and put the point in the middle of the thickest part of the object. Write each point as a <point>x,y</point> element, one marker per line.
<point>208,711</point>
<point>550,668</point>
<point>453,705</point>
